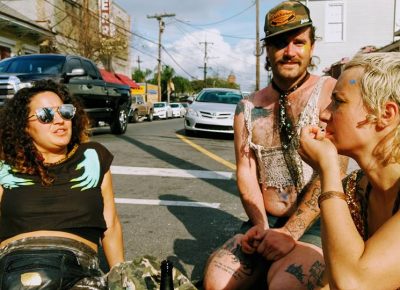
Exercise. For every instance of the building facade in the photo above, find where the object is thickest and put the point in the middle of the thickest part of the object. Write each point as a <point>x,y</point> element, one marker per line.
<point>98,30</point>
<point>344,27</point>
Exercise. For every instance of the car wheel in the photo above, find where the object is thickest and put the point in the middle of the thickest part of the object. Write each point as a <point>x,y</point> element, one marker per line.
<point>120,122</point>
<point>135,117</point>
<point>150,117</point>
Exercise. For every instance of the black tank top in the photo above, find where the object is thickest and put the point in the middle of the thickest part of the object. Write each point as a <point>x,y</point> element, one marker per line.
<point>73,203</point>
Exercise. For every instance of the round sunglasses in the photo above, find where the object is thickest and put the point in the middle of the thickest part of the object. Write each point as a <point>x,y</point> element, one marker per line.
<point>45,115</point>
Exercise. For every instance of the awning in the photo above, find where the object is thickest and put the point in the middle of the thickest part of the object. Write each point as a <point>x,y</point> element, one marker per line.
<point>126,80</point>
<point>110,77</point>
<point>19,25</point>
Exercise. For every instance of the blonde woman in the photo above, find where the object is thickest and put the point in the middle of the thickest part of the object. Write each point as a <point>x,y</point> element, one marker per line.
<point>360,217</point>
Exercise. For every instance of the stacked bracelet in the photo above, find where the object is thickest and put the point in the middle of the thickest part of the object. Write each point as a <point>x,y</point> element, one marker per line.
<point>330,194</point>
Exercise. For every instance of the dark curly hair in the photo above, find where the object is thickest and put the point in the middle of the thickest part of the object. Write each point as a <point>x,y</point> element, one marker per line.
<point>16,145</point>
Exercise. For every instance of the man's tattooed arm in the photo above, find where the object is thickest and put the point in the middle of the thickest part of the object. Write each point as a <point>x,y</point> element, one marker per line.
<point>239,108</point>
<point>307,211</point>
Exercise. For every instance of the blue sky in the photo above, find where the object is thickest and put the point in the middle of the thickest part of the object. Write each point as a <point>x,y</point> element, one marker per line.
<point>228,25</point>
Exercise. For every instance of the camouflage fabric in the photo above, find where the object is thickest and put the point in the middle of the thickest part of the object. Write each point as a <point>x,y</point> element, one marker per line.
<point>143,274</point>
<point>286,16</point>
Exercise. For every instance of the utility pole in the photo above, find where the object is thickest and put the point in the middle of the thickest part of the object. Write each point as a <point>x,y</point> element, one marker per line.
<point>257,46</point>
<point>139,62</point>
<point>205,61</point>
<point>161,26</point>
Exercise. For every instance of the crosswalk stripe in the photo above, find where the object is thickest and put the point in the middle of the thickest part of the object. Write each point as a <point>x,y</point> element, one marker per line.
<point>171,172</point>
<point>166,202</point>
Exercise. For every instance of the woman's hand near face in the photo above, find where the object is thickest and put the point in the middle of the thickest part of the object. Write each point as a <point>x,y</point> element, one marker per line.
<point>318,151</point>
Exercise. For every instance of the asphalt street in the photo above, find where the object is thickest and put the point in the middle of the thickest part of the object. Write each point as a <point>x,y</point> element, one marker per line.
<point>174,201</point>
<point>176,195</point>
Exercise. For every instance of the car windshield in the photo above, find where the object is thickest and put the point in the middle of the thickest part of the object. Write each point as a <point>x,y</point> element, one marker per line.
<point>219,97</point>
<point>159,105</point>
<point>48,65</point>
<point>174,105</point>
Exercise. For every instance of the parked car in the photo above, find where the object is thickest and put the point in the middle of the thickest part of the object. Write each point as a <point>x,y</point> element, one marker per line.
<point>186,106</point>
<point>178,111</point>
<point>162,110</point>
<point>103,101</point>
<point>212,111</point>
<point>139,109</point>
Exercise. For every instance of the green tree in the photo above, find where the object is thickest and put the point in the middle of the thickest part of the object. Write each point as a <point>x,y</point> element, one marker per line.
<point>167,74</point>
<point>140,76</point>
<point>213,82</point>
<point>182,85</point>
<point>197,85</point>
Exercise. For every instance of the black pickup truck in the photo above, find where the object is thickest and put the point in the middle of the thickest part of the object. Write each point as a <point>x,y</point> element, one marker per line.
<point>103,101</point>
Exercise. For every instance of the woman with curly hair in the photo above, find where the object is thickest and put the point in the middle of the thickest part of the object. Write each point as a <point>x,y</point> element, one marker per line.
<point>57,200</point>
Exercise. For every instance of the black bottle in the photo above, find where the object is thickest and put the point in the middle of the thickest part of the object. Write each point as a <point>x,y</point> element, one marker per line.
<point>167,282</point>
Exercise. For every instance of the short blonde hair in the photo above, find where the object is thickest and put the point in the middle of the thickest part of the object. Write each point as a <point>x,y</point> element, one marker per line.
<point>379,84</point>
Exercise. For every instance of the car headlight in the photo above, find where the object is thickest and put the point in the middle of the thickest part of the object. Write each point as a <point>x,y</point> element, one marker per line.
<point>193,112</point>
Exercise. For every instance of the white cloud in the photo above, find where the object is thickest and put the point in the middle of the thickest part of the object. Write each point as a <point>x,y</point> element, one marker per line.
<point>230,52</point>
<point>188,51</point>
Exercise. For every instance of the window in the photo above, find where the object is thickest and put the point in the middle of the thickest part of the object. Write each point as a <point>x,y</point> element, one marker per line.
<point>73,63</point>
<point>334,25</point>
<point>89,69</point>
<point>5,52</point>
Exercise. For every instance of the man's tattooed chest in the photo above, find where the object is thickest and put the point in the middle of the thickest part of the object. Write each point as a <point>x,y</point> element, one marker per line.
<point>260,112</point>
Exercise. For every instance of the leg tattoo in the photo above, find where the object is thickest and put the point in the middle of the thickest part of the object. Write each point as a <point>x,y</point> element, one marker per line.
<point>314,278</point>
<point>297,271</point>
<point>234,250</point>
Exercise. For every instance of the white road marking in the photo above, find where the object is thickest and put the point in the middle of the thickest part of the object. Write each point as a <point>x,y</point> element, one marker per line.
<point>166,202</point>
<point>170,172</point>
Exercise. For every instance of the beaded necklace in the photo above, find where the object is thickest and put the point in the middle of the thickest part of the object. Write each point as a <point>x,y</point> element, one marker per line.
<point>288,133</point>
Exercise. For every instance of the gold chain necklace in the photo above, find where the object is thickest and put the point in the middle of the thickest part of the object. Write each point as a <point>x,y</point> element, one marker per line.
<point>70,153</point>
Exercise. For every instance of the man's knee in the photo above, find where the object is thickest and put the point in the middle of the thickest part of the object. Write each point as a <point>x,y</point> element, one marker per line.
<point>230,268</point>
<point>303,268</point>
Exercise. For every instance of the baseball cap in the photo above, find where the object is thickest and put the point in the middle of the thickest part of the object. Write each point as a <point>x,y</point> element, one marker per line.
<point>286,16</point>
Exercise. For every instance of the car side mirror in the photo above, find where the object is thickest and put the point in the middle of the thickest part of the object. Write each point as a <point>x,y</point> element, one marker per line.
<point>190,100</point>
<point>76,72</point>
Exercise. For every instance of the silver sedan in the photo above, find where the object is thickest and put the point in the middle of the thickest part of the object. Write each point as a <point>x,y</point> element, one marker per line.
<point>212,111</point>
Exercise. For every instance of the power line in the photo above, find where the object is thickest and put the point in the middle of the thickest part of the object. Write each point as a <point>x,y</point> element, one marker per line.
<point>166,51</point>
<point>224,20</point>
<point>161,26</point>
<point>122,28</point>
<point>224,35</point>
<point>98,18</point>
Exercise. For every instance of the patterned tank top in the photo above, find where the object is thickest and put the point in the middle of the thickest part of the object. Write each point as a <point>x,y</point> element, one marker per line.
<point>273,171</point>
